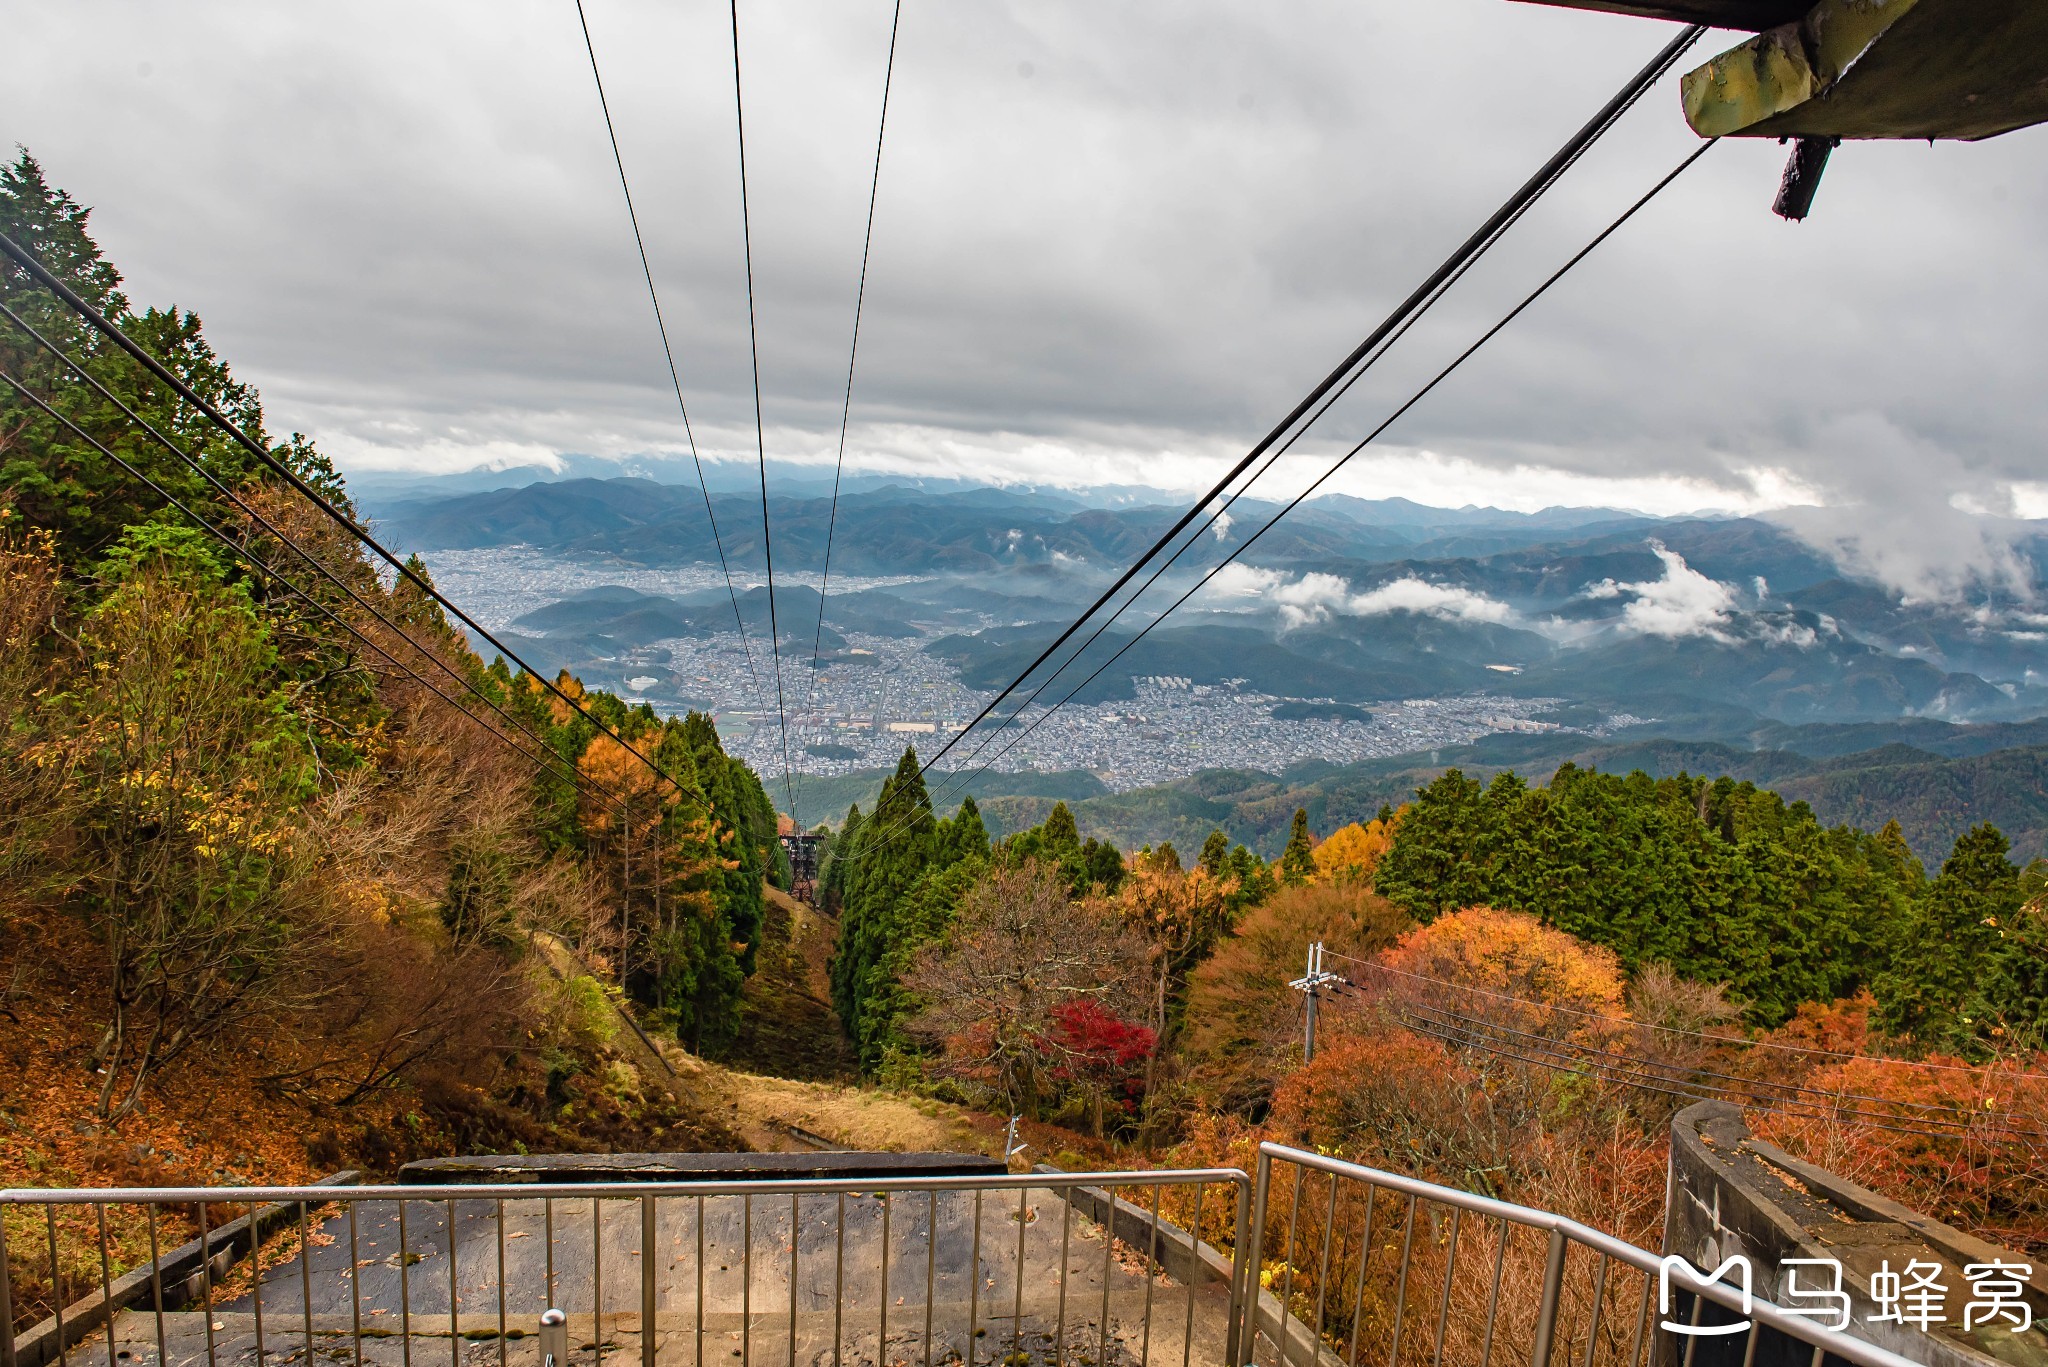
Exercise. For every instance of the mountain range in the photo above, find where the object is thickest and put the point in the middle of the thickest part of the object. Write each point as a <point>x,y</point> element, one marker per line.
<point>1698,627</point>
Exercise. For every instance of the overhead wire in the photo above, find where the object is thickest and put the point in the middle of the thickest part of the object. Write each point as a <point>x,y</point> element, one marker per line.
<point>1194,537</point>
<point>227,492</point>
<point>262,567</point>
<point>1499,228</point>
<point>1647,1081</point>
<point>739,108</point>
<point>1370,437</point>
<point>667,351</point>
<point>852,356</point>
<point>261,521</point>
<point>1465,1031</point>
<point>1675,1030</point>
<point>1589,133</point>
<point>105,327</point>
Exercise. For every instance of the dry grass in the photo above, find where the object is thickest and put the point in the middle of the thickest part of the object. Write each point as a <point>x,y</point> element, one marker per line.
<point>762,1109</point>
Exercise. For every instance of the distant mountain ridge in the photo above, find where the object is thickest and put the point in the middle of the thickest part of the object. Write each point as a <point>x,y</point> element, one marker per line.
<point>1692,621</point>
<point>897,529</point>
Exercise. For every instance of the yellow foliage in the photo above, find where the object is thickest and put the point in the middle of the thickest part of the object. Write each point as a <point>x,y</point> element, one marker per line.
<point>1524,972</point>
<point>1168,904</point>
<point>1354,851</point>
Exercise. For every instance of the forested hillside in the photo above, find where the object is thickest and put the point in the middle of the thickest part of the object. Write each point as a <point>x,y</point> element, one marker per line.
<point>1932,778</point>
<point>1529,981</point>
<point>267,823</point>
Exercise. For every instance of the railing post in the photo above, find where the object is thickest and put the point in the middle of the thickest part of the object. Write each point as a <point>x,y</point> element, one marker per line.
<point>647,1257</point>
<point>6,1301</point>
<point>554,1338</point>
<point>1243,1334</point>
<point>1546,1311</point>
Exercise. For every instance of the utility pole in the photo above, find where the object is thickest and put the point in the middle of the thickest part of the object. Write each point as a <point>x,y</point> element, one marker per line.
<point>1310,985</point>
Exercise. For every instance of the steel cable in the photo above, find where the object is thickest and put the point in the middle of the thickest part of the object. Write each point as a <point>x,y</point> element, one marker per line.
<point>667,351</point>
<point>852,356</point>
<point>739,108</point>
<point>1556,171</point>
<point>1371,436</point>
<point>264,568</point>
<point>1530,189</point>
<point>105,327</point>
<point>221,488</point>
<point>1194,538</point>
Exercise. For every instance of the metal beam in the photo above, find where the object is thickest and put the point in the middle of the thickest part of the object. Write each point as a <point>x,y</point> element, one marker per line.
<point>1964,69</point>
<point>1752,15</point>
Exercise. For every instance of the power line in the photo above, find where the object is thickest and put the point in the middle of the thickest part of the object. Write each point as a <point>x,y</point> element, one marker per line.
<point>739,110</point>
<point>1465,1032</point>
<point>668,352</point>
<point>1194,538</point>
<point>1370,437</point>
<point>852,355</point>
<point>1674,1030</point>
<point>101,324</point>
<point>1932,1113</point>
<point>235,498</point>
<point>1631,1077</point>
<point>1530,189</point>
<point>257,563</point>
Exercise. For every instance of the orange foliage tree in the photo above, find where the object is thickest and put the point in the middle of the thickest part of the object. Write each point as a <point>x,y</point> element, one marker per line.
<point>1181,913</point>
<point>1243,1028</point>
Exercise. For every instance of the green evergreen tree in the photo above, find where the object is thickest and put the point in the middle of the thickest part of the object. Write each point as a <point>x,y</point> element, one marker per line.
<point>1298,860</point>
<point>1719,880</point>
<point>2016,991</point>
<point>897,844</point>
<point>1103,864</point>
<point>835,861</point>
<point>745,826</point>
<point>1215,853</point>
<point>1954,948</point>
<point>964,836</point>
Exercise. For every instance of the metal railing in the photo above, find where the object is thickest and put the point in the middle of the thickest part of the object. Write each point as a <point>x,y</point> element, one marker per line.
<point>1372,1263</point>
<point>1326,1264</point>
<point>984,1271</point>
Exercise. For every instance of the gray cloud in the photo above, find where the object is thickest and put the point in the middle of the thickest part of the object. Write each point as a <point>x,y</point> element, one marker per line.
<point>1114,244</point>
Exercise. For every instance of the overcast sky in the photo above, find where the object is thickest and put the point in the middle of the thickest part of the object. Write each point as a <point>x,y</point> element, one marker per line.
<point>1115,242</point>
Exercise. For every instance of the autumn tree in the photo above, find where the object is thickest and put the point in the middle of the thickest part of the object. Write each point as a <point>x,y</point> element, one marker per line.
<point>1181,913</point>
<point>194,873</point>
<point>30,785</point>
<point>1018,951</point>
<point>1353,852</point>
<point>1102,1052</point>
<point>1243,1023</point>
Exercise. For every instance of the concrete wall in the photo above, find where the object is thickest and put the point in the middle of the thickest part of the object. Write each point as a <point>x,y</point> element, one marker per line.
<point>1729,1193</point>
